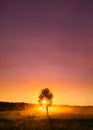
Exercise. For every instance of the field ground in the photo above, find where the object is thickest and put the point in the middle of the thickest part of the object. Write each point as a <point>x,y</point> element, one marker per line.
<point>59,118</point>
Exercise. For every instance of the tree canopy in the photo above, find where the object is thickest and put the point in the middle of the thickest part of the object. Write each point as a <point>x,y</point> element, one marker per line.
<point>45,98</point>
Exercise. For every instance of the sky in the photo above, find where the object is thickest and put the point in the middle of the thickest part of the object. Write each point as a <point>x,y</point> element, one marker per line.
<point>46,43</point>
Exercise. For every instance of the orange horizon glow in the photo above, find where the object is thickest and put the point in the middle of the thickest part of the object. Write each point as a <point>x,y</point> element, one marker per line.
<point>65,97</point>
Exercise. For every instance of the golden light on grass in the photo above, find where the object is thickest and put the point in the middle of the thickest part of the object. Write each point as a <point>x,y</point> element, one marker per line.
<point>56,109</point>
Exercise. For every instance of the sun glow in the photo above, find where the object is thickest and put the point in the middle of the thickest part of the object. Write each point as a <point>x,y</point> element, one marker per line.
<point>44,102</point>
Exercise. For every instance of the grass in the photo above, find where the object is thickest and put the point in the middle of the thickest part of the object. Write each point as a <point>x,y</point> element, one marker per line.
<point>59,118</point>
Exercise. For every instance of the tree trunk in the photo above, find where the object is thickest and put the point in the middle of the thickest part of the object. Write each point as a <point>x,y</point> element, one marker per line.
<point>47,109</point>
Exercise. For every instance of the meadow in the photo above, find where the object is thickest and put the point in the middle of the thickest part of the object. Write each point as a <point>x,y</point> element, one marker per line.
<point>34,117</point>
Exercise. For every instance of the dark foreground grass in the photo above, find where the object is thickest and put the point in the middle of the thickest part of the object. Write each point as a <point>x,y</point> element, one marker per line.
<point>35,118</point>
<point>48,123</point>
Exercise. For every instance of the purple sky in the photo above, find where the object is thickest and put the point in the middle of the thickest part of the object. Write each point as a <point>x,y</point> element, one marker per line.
<point>46,43</point>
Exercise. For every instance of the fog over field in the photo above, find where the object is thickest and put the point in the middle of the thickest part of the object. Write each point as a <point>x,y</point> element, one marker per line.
<point>34,117</point>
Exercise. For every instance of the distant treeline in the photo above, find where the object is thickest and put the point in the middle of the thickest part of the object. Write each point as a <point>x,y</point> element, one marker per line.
<point>21,105</point>
<point>13,106</point>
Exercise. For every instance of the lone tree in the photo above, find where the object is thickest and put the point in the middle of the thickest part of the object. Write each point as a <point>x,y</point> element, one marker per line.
<point>45,98</point>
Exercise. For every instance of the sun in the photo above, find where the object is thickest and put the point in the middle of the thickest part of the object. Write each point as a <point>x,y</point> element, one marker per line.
<point>44,102</point>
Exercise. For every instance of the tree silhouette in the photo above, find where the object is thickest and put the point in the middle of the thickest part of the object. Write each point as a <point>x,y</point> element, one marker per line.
<point>45,98</point>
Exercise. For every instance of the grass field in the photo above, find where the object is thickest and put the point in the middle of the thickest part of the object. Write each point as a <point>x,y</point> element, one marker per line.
<point>59,118</point>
